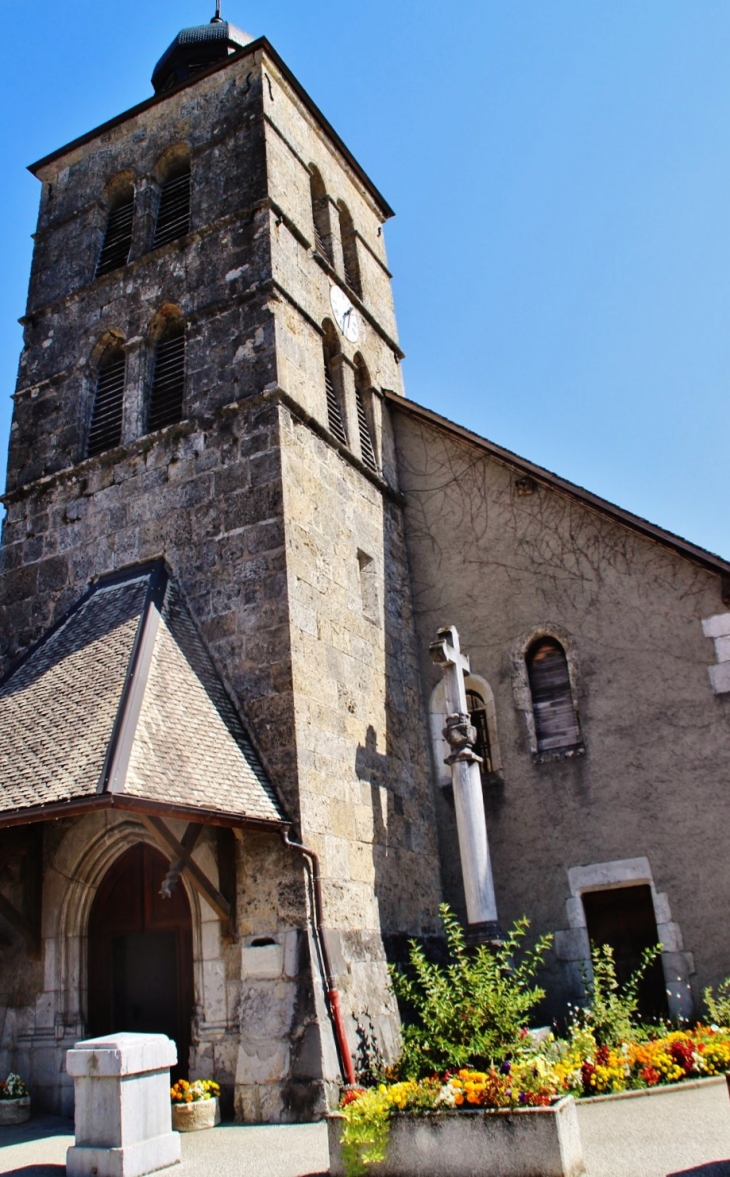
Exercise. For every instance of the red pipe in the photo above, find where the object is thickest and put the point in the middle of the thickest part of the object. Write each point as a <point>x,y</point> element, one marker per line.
<point>331,991</point>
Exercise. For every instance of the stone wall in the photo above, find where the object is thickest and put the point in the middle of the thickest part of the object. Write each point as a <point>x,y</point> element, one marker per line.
<point>502,559</point>
<point>289,554</point>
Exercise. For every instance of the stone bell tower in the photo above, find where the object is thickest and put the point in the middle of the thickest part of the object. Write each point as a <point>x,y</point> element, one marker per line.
<point>208,335</point>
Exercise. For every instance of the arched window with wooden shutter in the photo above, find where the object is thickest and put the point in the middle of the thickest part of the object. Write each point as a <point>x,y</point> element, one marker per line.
<point>350,257</point>
<point>320,215</point>
<point>118,236</point>
<point>105,430</point>
<point>167,395</point>
<point>477,708</point>
<point>173,210</point>
<point>553,708</point>
<point>333,384</point>
<point>362,391</point>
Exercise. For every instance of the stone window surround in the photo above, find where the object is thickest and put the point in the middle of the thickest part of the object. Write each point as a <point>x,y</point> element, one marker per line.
<point>146,201</point>
<point>523,694</point>
<point>437,721</point>
<point>718,629</point>
<point>139,352</point>
<point>572,945</point>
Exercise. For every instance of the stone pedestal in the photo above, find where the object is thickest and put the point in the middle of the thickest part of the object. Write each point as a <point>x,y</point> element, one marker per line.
<point>122,1096</point>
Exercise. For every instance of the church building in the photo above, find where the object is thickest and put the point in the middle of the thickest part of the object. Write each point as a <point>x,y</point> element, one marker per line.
<point>290,660</point>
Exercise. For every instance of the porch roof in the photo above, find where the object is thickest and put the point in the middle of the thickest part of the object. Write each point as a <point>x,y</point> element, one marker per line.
<point>121,704</point>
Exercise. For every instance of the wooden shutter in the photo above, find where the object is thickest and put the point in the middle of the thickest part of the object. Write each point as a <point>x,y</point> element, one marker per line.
<point>173,214</point>
<point>366,441</point>
<point>118,238</point>
<point>556,724</point>
<point>106,417</point>
<point>334,412</point>
<point>168,383</point>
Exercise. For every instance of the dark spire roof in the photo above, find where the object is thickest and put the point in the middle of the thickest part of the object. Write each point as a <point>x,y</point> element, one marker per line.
<point>196,48</point>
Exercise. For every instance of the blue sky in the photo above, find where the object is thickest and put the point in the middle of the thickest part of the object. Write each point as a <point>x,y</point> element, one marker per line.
<point>561,177</point>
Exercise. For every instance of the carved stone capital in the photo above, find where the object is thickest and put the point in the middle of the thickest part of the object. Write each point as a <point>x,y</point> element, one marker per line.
<point>460,734</point>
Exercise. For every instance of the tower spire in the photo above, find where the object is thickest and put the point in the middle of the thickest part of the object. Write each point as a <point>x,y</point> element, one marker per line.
<point>217,19</point>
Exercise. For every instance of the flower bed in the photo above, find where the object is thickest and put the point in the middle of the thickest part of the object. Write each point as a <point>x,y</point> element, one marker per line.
<point>504,1143</point>
<point>588,1069</point>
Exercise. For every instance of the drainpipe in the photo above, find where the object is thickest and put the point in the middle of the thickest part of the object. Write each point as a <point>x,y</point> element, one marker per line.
<point>332,994</point>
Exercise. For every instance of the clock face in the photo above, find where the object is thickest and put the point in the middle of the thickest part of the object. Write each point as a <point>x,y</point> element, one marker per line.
<point>345,314</point>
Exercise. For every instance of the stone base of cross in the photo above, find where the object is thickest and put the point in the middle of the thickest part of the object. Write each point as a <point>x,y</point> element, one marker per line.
<point>471,822</point>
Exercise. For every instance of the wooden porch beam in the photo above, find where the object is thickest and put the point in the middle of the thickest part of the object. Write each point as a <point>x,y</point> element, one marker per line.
<point>165,838</point>
<point>190,837</point>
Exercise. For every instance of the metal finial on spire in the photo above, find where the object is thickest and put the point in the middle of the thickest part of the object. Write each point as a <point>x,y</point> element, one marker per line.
<point>217,19</point>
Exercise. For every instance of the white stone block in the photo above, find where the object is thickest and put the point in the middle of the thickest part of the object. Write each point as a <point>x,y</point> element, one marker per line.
<point>720,678</point>
<point>291,953</point>
<point>122,1106</point>
<point>572,944</point>
<point>717,626</point>
<point>722,649</point>
<point>265,961</point>
<point>670,937</point>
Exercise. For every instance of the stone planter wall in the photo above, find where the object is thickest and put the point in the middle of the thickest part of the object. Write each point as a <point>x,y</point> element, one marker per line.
<point>14,1111</point>
<point>534,1142</point>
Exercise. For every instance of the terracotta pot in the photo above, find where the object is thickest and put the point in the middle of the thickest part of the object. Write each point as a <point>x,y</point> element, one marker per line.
<point>14,1111</point>
<point>191,1117</point>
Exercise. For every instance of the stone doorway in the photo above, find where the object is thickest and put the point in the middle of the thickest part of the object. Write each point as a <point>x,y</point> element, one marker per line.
<point>624,918</point>
<point>140,953</point>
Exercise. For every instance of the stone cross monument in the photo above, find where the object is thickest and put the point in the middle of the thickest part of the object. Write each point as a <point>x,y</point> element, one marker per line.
<point>471,823</point>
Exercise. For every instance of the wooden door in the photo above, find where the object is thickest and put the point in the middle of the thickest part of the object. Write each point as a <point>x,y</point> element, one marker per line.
<point>624,918</point>
<point>141,953</point>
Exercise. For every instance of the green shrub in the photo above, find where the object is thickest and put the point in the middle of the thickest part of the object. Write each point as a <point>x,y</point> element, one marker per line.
<point>719,1007</point>
<point>610,1012</point>
<point>471,1011</point>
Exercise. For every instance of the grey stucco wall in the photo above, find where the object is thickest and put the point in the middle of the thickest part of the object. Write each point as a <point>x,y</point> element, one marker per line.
<point>653,782</point>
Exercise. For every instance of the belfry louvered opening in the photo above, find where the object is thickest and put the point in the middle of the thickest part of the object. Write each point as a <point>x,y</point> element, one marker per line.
<point>334,407</point>
<point>168,382</point>
<point>362,387</point>
<point>173,213</point>
<point>556,723</point>
<point>350,258</point>
<point>105,430</point>
<point>321,216</point>
<point>118,236</point>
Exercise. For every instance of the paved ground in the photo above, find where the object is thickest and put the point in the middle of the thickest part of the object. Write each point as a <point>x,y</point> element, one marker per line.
<point>679,1132</point>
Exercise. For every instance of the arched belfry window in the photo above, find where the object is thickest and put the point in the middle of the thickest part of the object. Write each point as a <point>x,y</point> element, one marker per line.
<point>321,215</point>
<point>349,249</point>
<point>105,430</point>
<point>118,235</point>
<point>173,210</point>
<point>333,384</point>
<point>167,394</point>
<point>553,708</point>
<point>362,391</point>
